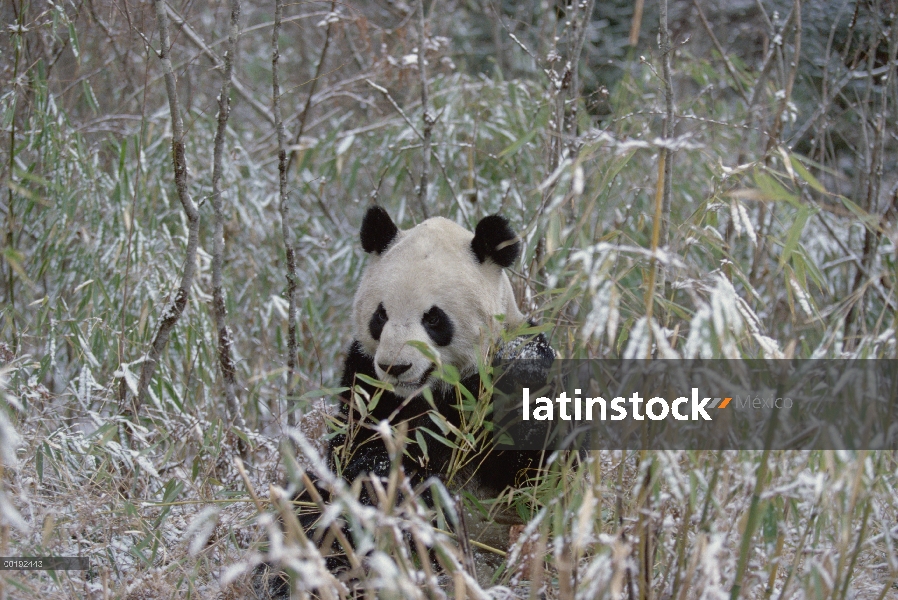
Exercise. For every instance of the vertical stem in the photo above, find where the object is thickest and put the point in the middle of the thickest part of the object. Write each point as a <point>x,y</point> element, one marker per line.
<point>636,23</point>
<point>123,387</point>
<point>777,36</point>
<point>566,90</point>
<point>667,126</point>
<point>304,115</point>
<point>656,236</point>
<point>661,219</point>
<point>225,360</point>
<point>872,182</point>
<point>644,503</point>
<point>285,209</point>
<point>173,311</point>
<point>427,117</point>
<point>754,509</point>
<point>581,25</point>
<point>751,523</point>
<point>10,214</point>
<point>789,78</point>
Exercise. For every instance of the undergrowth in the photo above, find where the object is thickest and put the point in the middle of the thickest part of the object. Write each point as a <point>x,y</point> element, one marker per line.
<point>778,248</point>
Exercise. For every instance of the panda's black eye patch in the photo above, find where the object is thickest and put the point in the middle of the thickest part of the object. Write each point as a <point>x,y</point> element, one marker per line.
<point>377,322</point>
<point>438,326</point>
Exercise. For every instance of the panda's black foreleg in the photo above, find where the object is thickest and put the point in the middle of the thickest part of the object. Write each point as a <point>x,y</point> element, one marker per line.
<point>361,452</point>
<point>526,361</point>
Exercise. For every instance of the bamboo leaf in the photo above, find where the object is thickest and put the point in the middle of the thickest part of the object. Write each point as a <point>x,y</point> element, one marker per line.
<point>806,175</point>
<point>538,126</point>
<point>795,231</point>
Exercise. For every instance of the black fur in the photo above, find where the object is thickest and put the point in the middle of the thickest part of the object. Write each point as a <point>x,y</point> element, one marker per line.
<point>438,326</point>
<point>369,454</point>
<point>377,322</point>
<point>494,239</point>
<point>378,230</point>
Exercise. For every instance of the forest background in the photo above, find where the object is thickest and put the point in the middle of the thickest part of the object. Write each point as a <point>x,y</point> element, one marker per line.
<point>182,188</point>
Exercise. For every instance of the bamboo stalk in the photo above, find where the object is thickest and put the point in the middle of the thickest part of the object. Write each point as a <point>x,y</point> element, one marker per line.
<point>284,209</point>
<point>172,313</point>
<point>426,117</point>
<point>219,311</point>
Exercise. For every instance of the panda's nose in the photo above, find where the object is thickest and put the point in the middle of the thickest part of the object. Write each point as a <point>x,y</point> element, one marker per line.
<point>394,370</point>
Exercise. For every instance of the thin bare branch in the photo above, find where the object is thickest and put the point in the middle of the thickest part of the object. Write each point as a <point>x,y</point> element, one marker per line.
<point>398,108</point>
<point>666,155</point>
<point>10,211</point>
<point>436,157</point>
<point>123,386</point>
<point>578,38</point>
<point>874,151</point>
<point>426,116</point>
<point>173,311</point>
<point>219,311</point>
<point>197,41</point>
<point>768,60</point>
<point>723,55</point>
<point>292,279</point>
<point>657,220</point>
<point>775,131</point>
<point>303,116</point>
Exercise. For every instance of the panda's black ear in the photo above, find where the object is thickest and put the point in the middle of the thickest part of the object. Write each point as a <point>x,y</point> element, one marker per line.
<point>494,239</point>
<point>378,230</point>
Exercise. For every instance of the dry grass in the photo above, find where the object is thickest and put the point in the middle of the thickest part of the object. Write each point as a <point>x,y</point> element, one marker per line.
<point>781,243</point>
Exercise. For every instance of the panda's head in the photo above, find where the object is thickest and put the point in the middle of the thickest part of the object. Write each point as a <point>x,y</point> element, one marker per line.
<point>436,283</point>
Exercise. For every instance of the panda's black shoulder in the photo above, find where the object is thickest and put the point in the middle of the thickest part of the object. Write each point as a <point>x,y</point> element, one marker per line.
<point>527,347</point>
<point>530,347</point>
<point>525,360</point>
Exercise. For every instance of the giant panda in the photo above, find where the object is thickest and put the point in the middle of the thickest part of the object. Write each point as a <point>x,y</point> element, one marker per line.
<point>442,285</point>
<point>439,284</point>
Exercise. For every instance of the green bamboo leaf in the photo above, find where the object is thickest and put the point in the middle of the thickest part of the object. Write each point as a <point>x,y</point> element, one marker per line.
<point>39,463</point>
<point>449,374</point>
<point>375,400</point>
<point>437,437</point>
<point>774,190</point>
<point>428,395</point>
<point>172,490</point>
<point>805,268</point>
<point>14,260</point>
<point>440,421</point>
<point>806,175</point>
<point>425,349</point>
<point>866,218</point>
<point>421,443</point>
<point>376,383</point>
<point>801,218</point>
<point>358,398</point>
<point>322,392</point>
<point>538,126</point>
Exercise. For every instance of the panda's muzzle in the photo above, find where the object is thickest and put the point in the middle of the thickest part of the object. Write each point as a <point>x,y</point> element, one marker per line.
<point>394,370</point>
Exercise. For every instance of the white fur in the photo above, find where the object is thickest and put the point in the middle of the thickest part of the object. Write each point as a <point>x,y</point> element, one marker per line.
<point>431,264</point>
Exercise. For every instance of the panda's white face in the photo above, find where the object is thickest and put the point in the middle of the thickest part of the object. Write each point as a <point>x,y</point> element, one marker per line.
<point>427,285</point>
